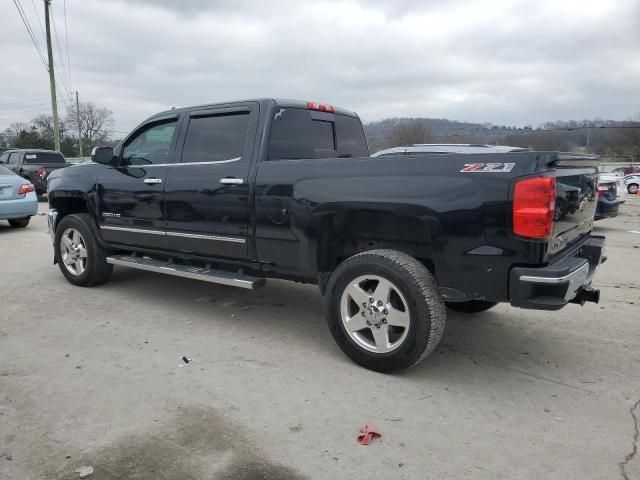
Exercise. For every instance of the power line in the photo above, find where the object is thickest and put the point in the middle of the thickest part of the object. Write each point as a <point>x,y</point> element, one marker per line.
<point>35,10</point>
<point>65,77</point>
<point>20,103</point>
<point>30,31</point>
<point>66,36</point>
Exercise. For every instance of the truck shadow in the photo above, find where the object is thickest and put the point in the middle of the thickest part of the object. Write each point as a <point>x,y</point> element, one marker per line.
<point>493,339</point>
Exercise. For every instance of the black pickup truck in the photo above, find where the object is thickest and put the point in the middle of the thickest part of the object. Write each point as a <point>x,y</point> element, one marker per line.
<point>237,192</point>
<point>33,164</point>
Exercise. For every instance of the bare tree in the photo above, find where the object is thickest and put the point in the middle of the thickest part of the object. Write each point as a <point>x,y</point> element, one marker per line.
<point>44,125</point>
<point>95,124</point>
<point>409,132</point>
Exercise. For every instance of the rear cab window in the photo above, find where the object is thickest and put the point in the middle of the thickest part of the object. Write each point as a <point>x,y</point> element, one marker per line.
<point>298,133</point>
<point>43,158</point>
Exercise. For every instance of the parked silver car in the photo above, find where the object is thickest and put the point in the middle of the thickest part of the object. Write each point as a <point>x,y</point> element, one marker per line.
<point>18,200</point>
<point>418,148</point>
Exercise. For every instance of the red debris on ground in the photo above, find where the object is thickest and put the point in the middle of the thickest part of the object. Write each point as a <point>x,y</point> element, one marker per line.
<point>367,433</point>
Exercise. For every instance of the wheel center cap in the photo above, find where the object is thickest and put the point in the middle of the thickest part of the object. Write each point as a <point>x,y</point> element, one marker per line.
<point>374,314</point>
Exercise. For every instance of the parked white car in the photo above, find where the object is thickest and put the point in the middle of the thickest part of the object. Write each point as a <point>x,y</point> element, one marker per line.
<point>632,182</point>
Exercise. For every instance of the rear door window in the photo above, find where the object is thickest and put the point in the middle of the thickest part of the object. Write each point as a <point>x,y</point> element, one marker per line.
<point>215,138</point>
<point>299,133</point>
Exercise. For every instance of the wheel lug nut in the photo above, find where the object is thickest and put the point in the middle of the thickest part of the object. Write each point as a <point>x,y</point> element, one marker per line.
<point>379,303</point>
<point>364,304</point>
<point>371,300</point>
<point>385,312</point>
<point>362,313</point>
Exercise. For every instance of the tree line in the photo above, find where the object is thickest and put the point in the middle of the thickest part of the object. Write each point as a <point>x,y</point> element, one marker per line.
<point>612,139</point>
<point>94,126</point>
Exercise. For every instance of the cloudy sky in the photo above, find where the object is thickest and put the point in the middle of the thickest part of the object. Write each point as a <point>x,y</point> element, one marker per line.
<point>514,62</point>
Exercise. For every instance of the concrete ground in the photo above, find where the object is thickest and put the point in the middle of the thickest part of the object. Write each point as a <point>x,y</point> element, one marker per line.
<point>92,377</point>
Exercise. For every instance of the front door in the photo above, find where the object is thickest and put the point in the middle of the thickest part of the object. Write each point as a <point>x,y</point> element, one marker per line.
<point>207,192</point>
<point>130,195</point>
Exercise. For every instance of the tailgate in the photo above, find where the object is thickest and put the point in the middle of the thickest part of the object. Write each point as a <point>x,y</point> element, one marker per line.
<point>576,201</point>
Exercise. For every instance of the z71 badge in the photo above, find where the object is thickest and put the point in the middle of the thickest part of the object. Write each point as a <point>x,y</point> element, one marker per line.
<point>488,167</point>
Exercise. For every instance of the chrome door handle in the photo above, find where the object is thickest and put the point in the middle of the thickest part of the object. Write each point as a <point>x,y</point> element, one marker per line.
<point>231,181</point>
<point>152,181</point>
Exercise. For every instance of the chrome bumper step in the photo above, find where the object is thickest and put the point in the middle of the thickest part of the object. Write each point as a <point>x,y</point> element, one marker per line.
<point>186,271</point>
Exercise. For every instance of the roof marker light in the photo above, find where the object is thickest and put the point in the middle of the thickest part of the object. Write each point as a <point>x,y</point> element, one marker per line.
<point>322,107</point>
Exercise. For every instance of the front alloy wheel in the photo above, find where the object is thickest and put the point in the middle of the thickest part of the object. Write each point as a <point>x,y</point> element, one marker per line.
<point>73,251</point>
<point>81,257</point>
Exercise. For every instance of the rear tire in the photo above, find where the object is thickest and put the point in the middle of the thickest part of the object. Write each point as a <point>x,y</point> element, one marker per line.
<point>19,222</point>
<point>84,261</point>
<point>384,310</point>
<point>472,306</point>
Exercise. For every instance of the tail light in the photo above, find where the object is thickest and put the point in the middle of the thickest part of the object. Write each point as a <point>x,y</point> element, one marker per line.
<point>603,190</point>
<point>534,205</point>
<point>26,188</point>
<point>323,107</point>
<point>42,171</point>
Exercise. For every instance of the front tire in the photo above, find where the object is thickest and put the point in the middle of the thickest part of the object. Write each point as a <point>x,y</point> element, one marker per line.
<point>384,310</point>
<point>81,258</point>
<point>472,306</point>
<point>19,222</point>
<point>632,188</point>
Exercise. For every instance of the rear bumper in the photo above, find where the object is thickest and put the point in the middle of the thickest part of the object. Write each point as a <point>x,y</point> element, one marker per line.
<point>19,207</point>
<point>563,281</point>
<point>40,184</point>
<point>607,208</point>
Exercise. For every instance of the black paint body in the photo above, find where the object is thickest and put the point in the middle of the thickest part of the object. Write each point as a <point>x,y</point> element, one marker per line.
<point>299,218</point>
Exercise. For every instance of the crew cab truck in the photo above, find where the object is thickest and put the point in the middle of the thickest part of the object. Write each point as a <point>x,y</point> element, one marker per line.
<point>237,192</point>
<point>34,165</point>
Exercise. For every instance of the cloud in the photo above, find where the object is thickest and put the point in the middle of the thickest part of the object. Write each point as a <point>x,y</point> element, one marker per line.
<point>513,62</point>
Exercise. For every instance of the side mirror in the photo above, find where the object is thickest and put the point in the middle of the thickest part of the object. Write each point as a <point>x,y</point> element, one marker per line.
<point>102,155</point>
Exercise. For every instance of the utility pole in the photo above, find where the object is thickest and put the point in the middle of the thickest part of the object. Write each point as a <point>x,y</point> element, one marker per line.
<point>52,79</point>
<point>79,129</point>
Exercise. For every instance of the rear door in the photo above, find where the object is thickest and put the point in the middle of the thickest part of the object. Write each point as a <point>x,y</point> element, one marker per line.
<point>13,162</point>
<point>130,195</point>
<point>207,191</point>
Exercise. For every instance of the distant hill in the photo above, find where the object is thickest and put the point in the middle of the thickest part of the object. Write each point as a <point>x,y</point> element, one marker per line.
<point>596,136</point>
<point>380,131</point>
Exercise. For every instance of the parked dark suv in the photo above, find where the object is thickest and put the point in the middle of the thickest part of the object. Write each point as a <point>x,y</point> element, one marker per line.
<point>33,164</point>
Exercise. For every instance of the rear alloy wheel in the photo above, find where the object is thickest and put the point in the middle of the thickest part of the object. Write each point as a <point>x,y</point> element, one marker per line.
<point>19,222</point>
<point>472,306</point>
<point>384,310</point>
<point>632,188</point>
<point>375,314</point>
<point>79,254</point>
